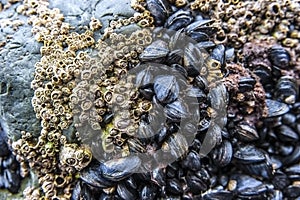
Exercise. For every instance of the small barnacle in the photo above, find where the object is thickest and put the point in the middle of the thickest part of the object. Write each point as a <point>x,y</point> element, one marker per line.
<point>44,113</point>
<point>83,117</point>
<point>289,42</point>
<point>44,123</point>
<point>49,149</point>
<point>66,91</point>
<point>56,94</point>
<point>71,85</point>
<point>39,92</point>
<point>86,105</point>
<point>60,181</point>
<point>144,106</point>
<point>69,156</point>
<point>95,24</point>
<point>17,144</point>
<point>81,94</point>
<point>86,74</point>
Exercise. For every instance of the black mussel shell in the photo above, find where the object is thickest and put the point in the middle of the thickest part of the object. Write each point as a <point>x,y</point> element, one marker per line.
<point>11,180</point>
<point>193,60</point>
<point>92,175</point>
<point>147,91</point>
<point>174,187</point>
<point>195,184</point>
<point>218,194</point>
<point>276,108</point>
<point>126,192</point>
<point>160,10</point>
<point>166,88</point>
<point>247,132</point>
<point>192,161</point>
<point>149,192</point>
<point>246,84</point>
<point>222,154</point>
<point>286,134</point>
<point>158,176</point>
<point>218,97</point>
<point>118,169</point>
<point>155,52</point>
<point>178,20</point>
<point>176,111</point>
<point>218,53</point>
<point>279,56</point>
<point>3,144</point>
<point>249,154</point>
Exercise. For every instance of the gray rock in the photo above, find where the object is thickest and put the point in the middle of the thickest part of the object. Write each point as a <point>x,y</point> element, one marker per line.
<point>17,60</point>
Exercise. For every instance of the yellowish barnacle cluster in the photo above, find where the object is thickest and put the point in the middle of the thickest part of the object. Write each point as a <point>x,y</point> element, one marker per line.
<point>245,21</point>
<point>100,90</point>
<point>72,88</point>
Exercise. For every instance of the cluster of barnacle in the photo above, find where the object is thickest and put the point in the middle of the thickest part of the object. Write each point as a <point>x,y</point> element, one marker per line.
<point>99,91</point>
<point>242,21</point>
<point>51,154</point>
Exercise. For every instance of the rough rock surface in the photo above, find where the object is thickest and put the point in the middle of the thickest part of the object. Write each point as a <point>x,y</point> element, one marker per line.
<point>17,57</point>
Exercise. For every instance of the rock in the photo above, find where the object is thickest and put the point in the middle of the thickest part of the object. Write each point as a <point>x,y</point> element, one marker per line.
<point>17,59</point>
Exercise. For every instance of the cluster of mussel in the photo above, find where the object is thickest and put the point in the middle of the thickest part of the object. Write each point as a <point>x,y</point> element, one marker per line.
<point>10,177</point>
<point>245,144</point>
